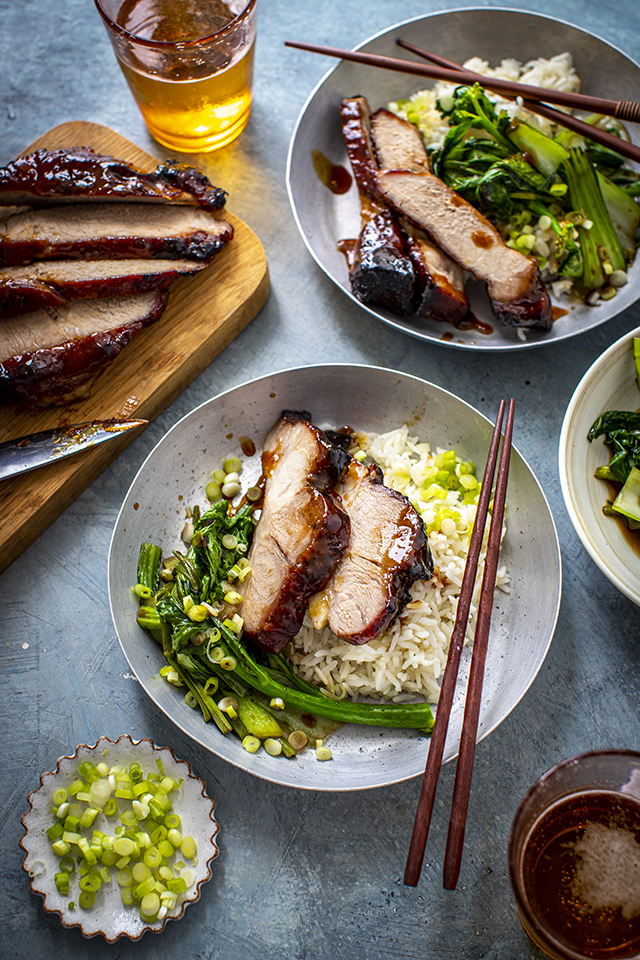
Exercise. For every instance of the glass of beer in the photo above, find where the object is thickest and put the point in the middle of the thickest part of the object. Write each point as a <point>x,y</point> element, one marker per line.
<point>189,64</point>
<point>574,858</point>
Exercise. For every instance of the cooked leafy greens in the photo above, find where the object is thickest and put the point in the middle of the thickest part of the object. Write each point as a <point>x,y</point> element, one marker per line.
<point>620,430</point>
<point>516,174</point>
<point>188,604</point>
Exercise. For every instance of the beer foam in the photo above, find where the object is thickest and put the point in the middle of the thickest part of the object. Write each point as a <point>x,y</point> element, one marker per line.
<point>608,877</point>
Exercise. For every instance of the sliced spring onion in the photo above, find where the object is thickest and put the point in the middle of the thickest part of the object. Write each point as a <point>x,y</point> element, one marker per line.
<point>232,465</point>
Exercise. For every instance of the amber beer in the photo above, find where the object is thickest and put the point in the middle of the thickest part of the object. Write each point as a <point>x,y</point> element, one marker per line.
<point>189,66</point>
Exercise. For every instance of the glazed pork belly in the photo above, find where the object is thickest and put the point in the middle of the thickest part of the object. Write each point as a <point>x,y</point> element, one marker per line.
<point>51,283</point>
<point>517,293</point>
<point>51,355</point>
<point>388,551</point>
<point>301,535</point>
<point>65,176</point>
<point>108,231</point>
<point>439,287</point>
<point>380,271</point>
<point>395,266</point>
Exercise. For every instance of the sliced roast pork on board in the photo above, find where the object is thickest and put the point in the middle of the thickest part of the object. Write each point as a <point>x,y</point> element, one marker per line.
<point>80,174</point>
<point>51,355</point>
<point>51,283</point>
<point>103,231</point>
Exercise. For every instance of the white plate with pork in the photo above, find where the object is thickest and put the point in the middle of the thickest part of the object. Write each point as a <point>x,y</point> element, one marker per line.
<point>370,400</point>
<point>324,218</point>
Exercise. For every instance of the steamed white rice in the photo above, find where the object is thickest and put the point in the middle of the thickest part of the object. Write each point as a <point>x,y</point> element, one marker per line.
<point>408,659</point>
<point>556,73</point>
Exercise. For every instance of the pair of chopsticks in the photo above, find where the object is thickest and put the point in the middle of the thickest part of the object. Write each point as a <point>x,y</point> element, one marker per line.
<point>534,98</point>
<point>462,786</point>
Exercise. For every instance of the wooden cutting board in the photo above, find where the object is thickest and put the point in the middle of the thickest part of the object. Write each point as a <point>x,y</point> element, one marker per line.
<point>203,315</point>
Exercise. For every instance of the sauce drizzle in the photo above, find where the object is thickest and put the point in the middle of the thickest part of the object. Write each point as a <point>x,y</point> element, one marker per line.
<point>335,177</point>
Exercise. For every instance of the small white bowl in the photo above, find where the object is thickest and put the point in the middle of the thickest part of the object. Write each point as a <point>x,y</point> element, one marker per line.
<point>109,916</point>
<point>608,384</point>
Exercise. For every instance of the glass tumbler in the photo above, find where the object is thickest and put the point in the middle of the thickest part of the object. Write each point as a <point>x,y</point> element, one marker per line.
<point>189,65</point>
<point>574,858</point>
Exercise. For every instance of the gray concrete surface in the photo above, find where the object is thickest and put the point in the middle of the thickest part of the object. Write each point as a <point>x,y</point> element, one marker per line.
<point>301,876</point>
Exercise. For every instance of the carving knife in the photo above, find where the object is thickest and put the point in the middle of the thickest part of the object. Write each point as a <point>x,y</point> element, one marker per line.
<point>39,449</point>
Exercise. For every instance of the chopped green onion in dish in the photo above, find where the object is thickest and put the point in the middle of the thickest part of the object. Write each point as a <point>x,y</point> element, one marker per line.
<point>160,841</point>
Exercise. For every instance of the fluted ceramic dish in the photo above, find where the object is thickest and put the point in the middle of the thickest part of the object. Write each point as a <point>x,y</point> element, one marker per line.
<point>108,916</point>
<point>488,32</point>
<point>369,399</point>
<point>608,384</point>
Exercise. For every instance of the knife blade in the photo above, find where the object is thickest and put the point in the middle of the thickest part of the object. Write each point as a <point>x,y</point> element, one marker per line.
<point>38,449</point>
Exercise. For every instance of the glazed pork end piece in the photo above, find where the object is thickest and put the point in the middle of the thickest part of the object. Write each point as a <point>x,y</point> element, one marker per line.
<point>388,551</point>
<point>80,174</point>
<point>355,114</point>
<point>301,535</point>
<point>381,272</point>
<point>51,283</point>
<point>397,143</point>
<point>51,356</point>
<point>439,289</point>
<point>110,231</point>
<point>514,285</point>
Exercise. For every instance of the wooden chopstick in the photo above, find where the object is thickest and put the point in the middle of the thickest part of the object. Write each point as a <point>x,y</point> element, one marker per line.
<point>623,147</point>
<point>626,110</point>
<point>464,769</point>
<point>445,701</point>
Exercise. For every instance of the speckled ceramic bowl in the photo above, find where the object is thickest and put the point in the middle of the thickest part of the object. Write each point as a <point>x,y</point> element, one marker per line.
<point>608,384</point>
<point>108,916</point>
<point>371,399</point>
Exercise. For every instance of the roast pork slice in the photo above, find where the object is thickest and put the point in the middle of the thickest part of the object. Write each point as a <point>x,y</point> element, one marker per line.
<point>439,285</point>
<point>380,271</point>
<point>50,283</point>
<point>107,231</point>
<point>388,551</point>
<point>517,293</point>
<point>51,355</point>
<point>301,535</point>
<point>80,174</point>
<point>397,143</point>
<point>440,292</point>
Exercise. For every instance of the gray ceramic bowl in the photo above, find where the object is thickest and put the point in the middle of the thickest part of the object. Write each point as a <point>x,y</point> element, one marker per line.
<point>369,399</point>
<point>493,34</point>
<point>608,384</point>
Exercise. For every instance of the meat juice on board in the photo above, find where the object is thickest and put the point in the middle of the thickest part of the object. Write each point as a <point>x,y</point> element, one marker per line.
<point>581,873</point>
<point>192,98</point>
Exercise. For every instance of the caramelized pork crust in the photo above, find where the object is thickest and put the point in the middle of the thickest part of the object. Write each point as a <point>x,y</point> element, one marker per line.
<point>80,174</point>
<point>388,551</point>
<point>301,535</point>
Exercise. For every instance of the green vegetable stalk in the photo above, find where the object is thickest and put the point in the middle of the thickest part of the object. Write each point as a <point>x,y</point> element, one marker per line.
<point>602,251</point>
<point>188,614</point>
